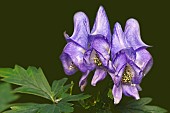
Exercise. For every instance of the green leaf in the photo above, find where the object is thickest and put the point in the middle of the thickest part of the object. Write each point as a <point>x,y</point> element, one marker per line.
<point>65,107</point>
<point>41,108</point>
<point>154,109</point>
<point>32,80</point>
<point>139,106</point>
<point>139,102</point>
<point>58,87</point>
<point>6,96</point>
<point>60,91</point>
<point>58,84</point>
<point>76,97</point>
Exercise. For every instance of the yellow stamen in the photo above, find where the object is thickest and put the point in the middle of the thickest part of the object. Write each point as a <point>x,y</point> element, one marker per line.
<point>97,61</point>
<point>127,75</point>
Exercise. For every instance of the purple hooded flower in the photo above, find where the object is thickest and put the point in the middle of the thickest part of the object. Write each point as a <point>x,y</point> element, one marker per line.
<point>98,55</point>
<point>130,59</point>
<point>73,52</point>
<point>85,50</point>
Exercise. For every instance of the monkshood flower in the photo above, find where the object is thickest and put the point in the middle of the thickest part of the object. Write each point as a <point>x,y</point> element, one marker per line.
<point>85,50</point>
<point>131,60</point>
<point>73,52</point>
<point>98,54</point>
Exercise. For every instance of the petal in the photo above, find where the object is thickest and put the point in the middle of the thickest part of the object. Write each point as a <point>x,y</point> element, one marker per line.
<point>129,90</point>
<point>103,60</point>
<point>76,53</point>
<point>119,63</point>
<point>112,75</point>
<point>137,73</point>
<point>83,80</point>
<point>130,53</point>
<point>118,39</point>
<point>138,87</point>
<point>81,30</point>
<point>117,93</point>
<point>89,59</point>
<point>99,75</point>
<point>110,67</point>
<point>118,76</point>
<point>132,33</point>
<point>101,45</point>
<point>144,60</point>
<point>91,54</point>
<point>67,62</point>
<point>101,24</point>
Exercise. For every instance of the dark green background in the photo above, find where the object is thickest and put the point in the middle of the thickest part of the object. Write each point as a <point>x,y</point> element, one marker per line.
<point>31,33</point>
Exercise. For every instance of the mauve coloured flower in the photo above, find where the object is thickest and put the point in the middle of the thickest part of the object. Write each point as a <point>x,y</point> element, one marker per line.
<point>98,54</point>
<point>85,50</point>
<point>73,52</point>
<point>130,59</point>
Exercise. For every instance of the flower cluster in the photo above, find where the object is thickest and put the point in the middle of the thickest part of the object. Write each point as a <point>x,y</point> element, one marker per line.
<point>122,54</point>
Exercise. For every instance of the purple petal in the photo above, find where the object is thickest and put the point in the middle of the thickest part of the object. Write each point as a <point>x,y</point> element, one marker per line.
<point>117,93</point>
<point>112,76</point>
<point>89,59</point>
<point>144,60</point>
<point>132,33</point>
<point>129,90</point>
<point>67,62</point>
<point>83,80</point>
<point>102,46</point>
<point>103,60</point>
<point>118,76</point>
<point>130,53</point>
<point>118,40</point>
<point>110,67</point>
<point>76,53</point>
<point>119,63</point>
<point>101,25</point>
<point>137,73</point>
<point>92,53</point>
<point>138,87</point>
<point>99,75</point>
<point>81,30</point>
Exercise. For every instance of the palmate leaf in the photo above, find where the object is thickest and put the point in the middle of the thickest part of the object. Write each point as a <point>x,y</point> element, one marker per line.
<point>41,108</point>
<point>140,106</point>
<point>58,88</point>
<point>33,81</point>
<point>59,91</point>
<point>6,96</point>
<point>77,97</point>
